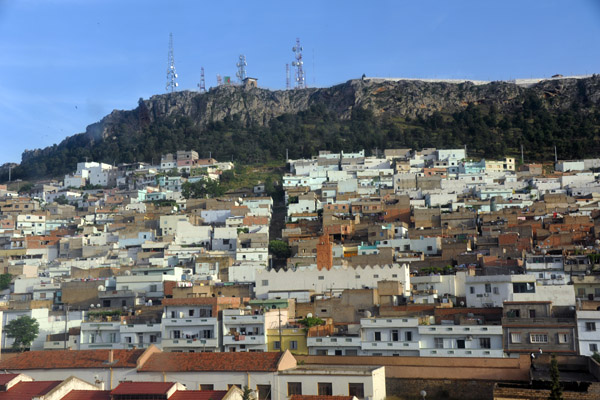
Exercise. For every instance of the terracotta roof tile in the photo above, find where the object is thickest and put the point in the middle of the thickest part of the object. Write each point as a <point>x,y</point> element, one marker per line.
<point>198,395</point>
<point>225,362</point>
<point>50,359</point>
<point>28,390</point>
<point>5,378</point>
<point>87,395</point>
<point>143,388</point>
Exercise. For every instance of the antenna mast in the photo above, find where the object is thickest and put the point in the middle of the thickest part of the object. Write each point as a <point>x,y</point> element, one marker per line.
<point>298,63</point>
<point>171,74</point>
<point>202,84</point>
<point>219,80</point>
<point>241,64</point>
<point>287,76</point>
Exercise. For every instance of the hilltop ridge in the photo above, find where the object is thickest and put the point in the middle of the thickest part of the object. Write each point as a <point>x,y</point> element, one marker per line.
<point>407,108</point>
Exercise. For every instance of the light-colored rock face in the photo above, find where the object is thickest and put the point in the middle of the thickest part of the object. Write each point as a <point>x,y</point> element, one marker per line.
<point>406,98</point>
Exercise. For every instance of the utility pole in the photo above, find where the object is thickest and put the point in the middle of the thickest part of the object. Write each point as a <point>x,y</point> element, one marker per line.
<point>66,324</point>
<point>280,336</point>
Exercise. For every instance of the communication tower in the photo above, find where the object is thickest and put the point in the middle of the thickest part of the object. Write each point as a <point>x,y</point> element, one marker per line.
<point>202,84</point>
<point>219,80</point>
<point>171,74</point>
<point>287,76</point>
<point>241,64</point>
<point>298,63</point>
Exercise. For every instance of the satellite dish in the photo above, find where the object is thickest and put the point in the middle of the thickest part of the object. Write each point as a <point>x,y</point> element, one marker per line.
<point>97,305</point>
<point>368,314</point>
<point>309,315</point>
<point>101,288</point>
<point>128,272</point>
<point>462,303</point>
<point>91,306</point>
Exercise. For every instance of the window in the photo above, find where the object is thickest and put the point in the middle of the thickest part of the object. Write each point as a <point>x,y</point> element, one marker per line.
<point>515,337</point>
<point>597,292</point>
<point>395,335</point>
<point>581,292</point>
<point>563,338</point>
<point>112,338</point>
<point>429,248</point>
<point>496,290</point>
<point>176,334</point>
<point>42,295</point>
<point>438,342</point>
<point>191,312</point>
<point>321,277</point>
<point>324,389</point>
<point>207,386</point>
<point>377,336</point>
<point>265,282</point>
<point>472,289</point>
<point>153,339</point>
<point>264,392</point>
<point>294,388</point>
<point>488,288</point>
<point>277,345</point>
<point>356,389</point>
<point>531,313</point>
<point>485,343</point>
<point>593,347</point>
<point>523,287</point>
<point>293,345</point>
<point>92,338</point>
<point>338,352</point>
<point>590,326</point>
<point>538,338</point>
<point>408,336</point>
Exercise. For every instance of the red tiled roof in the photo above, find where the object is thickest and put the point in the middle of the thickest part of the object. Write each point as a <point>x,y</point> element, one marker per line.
<point>87,395</point>
<point>143,388</point>
<point>315,397</point>
<point>5,378</point>
<point>225,362</point>
<point>49,359</point>
<point>198,395</point>
<point>28,390</point>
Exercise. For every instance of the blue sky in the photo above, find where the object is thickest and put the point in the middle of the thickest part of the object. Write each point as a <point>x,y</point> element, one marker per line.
<point>64,64</point>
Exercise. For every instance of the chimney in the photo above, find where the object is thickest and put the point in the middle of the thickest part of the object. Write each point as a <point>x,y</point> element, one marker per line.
<point>111,357</point>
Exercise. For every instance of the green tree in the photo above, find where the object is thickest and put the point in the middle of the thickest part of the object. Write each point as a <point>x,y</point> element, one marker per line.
<point>24,330</point>
<point>556,388</point>
<point>248,394</point>
<point>5,280</point>
<point>279,249</point>
<point>311,321</point>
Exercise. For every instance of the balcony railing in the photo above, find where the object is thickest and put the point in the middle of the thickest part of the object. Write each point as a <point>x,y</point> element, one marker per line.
<point>390,345</point>
<point>190,343</point>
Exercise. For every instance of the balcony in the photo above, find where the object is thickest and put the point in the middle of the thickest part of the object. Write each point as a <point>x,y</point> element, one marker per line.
<point>390,345</point>
<point>460,330</point>
<point>389,322</point>
<point>140,328</point>
<point>537,321</point>
<point>190,343</point>
<point>244,320</point>
<point>189,321</point>
<point>494,353</point>
<point>244,339</point>
<point>100,326</point>
<point>340,341</point>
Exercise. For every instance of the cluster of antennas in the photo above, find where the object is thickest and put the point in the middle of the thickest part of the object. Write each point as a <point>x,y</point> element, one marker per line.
<point>300,76</point>
<point>241,64</point>
<point>171,73</point>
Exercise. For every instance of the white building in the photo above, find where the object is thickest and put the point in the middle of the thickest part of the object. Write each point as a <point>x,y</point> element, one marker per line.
<point>189,325</point>
<point>185,232</point>
<point>588,327</point>
<point>246,330</point>
<point>320,281</point>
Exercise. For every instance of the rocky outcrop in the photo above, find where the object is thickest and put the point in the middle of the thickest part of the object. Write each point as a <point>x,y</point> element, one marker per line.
<point>407,98</point>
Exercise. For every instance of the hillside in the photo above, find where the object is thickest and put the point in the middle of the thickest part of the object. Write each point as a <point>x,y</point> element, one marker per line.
<point>254,125</point>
